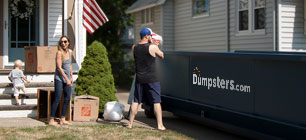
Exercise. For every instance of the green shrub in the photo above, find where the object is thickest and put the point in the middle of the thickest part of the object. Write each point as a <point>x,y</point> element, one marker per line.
<point>95,77</point>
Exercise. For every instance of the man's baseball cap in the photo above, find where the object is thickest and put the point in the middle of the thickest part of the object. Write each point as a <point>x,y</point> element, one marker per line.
<point>145,31</point>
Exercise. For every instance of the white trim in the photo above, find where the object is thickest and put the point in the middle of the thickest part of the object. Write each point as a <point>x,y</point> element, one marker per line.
<point>80,35</point>
<point>41,23</point>
<point>200,16</point>
<point>279,44</point>
<point>247,33</point>
<point>5,33</point>
<point>76,30</point>
<point>147,24</point>
<point>275,45</point>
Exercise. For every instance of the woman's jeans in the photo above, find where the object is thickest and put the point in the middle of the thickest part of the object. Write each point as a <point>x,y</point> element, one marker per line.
<point>59,86</point>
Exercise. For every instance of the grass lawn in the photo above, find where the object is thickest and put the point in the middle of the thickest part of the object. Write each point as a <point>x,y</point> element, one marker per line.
<point>89,132</point>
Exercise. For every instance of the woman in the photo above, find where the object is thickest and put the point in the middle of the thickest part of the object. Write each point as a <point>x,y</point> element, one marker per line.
<point>62,80</point>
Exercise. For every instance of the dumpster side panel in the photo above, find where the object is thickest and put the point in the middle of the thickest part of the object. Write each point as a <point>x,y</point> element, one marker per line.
<point>281,92</point>
<point>173,72</point>
<point>223,81</point>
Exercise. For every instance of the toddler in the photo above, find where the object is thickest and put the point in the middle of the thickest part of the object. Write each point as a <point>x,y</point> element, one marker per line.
<point>16,76</point>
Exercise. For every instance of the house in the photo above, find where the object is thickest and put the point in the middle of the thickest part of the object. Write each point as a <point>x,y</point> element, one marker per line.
<point>36,23</point>
<point>218,25</point>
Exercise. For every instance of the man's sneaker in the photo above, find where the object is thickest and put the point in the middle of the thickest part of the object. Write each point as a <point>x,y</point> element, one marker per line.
<point>23,104</point>
<point>16,104</point>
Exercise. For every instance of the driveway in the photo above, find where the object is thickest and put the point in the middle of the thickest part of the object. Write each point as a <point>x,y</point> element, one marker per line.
<point>178,124</point>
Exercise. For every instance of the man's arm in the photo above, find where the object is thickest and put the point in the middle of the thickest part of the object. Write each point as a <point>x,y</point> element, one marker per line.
<point>159,53</point>
<point>133,50</point>
<point>155,51</point>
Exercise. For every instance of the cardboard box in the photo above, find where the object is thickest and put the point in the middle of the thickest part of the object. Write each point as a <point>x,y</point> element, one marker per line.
<point>39,59</point>
<point>86,108</point>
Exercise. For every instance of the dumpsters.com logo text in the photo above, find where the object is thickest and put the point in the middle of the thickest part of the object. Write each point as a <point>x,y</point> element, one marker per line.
<point>217,82</point>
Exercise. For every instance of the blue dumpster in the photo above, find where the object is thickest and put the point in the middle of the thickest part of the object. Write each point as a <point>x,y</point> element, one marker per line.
<point>264,93</point>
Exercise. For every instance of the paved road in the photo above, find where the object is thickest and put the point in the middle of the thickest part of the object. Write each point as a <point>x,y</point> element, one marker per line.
<point>178,124</point>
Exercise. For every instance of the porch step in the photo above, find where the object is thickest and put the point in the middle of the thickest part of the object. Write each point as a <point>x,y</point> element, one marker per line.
<point>7,88</point>
<point>9,99</point>
<point>10,96</point>
<point>8,110</point>
<point>5,71</point>
<point>18,114</point>
<point>17,107</point>
<point>32,84</point>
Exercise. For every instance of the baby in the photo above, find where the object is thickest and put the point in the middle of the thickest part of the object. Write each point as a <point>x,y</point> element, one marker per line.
<point>157,39</point>
<point>16,76</point>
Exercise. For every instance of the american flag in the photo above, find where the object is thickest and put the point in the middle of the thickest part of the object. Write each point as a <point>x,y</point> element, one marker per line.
<point>93,16</point>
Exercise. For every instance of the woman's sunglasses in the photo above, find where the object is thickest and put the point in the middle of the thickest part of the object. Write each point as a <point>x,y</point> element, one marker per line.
<point>64,41</point>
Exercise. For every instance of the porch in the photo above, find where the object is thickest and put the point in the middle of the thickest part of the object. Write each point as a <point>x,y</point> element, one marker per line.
<point>36,23</point>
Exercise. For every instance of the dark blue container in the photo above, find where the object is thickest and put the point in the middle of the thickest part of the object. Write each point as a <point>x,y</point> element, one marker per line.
<point>259,94</point>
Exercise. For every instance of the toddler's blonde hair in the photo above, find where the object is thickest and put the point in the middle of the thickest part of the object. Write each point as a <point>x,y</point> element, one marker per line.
<point>17,63</point>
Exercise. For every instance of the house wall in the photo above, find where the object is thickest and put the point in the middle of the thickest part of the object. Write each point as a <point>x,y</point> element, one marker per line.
<point>1,34</point>
<point>156,26</point>
<point>291,29</point>
<point>262,42</point>
<point>167,25</point>
<point>54,21</point>
<point>206,33</point>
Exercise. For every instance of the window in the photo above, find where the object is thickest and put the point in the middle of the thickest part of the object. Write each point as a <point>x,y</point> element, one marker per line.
<point>251,15</point>
<point>259,14</point>
<point>147,16</point>
<point>200,7</point>
<point>243,15</point>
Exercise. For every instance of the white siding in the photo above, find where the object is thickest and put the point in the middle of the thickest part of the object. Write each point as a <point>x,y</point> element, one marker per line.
<point>54,21</point>
<point>168,25</point>
<point>262,42</point>
<point>203,33</point>
<point>291,29</point>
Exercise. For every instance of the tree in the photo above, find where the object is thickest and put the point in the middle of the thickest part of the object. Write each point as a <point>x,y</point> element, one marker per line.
<point>111,32</point>
<point>95,77</point>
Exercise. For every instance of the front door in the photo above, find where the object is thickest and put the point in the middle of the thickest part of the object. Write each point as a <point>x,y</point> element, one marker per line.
<point>22,27</point>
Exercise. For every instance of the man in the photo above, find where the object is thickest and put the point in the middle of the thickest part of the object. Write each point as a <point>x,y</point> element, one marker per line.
<point>146,76</point>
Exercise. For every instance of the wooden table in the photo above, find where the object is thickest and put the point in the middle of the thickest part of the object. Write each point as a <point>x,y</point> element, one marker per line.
<point>45,98</point>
